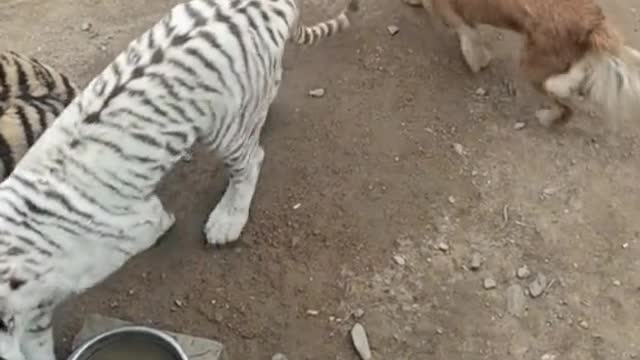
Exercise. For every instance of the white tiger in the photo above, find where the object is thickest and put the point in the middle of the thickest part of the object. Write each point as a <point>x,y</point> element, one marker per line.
<point>82,201</point>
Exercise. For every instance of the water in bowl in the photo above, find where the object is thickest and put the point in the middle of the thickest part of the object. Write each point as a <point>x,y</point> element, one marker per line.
<point>132,347</point>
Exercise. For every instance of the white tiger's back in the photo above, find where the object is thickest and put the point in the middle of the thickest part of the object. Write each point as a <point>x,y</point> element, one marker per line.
<point>68,138</point>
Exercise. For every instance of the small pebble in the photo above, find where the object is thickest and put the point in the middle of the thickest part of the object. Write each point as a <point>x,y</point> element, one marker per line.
<point>519,125</point>
<point>443,247</point>
<point>625,245</point>
<point>399,260</point>
<point>317,93</point>
<point>583,324</point>
<point>458,149</point>
<point>548,357</point>
<point>358,314</point>
<point>476,261</point>
<point>617,283</point>
<point>537,287</point>
<point>489,284</point>
<point>86,26</point>
<point>393,30</point>
<point>312,312</point>
<point>360,341</point>
<point>452,200</point>
<point>279,356</point>
<point>178,303</point>
<point>523,272</point>
<point>481,91</point>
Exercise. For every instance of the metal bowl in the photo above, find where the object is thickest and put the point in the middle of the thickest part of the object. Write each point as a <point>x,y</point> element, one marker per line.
<point>133,341</point>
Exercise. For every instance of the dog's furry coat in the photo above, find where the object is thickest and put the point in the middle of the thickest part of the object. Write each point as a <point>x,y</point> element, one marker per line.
<point>570,49</point>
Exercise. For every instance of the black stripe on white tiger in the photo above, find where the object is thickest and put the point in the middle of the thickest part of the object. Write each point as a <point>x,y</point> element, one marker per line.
<point>82,201</point>
<point>32,95</point>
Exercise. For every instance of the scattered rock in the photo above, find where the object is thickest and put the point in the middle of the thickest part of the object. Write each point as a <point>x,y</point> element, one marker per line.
<point>178,303</point>
<point>443,247</point>
<point>360,341</point>
<point>537,287</point>
<point>458,149</point>
<point>481,91</point>
<point>617,283</point>
<point>476,262</point>
<point>279,356</point>
<point>393,30</point>
<point>358,314</point>
<point>317,93</point>
<point>583,324</point>
<point>523,272</point>
<point>86,26</point>
<point>489,284</point>
<point>548,357</point>
<point>516,300</point>
<point>312,312</point>
<point>452,200</point>
<point>399,260</point>
<point>519,125</point>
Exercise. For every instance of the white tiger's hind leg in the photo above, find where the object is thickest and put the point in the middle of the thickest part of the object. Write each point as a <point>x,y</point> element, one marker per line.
<point>149,228</point>
<point>229,217</point>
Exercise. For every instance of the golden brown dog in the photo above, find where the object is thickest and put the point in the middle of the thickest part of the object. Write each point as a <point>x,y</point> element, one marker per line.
<point>570,49</point>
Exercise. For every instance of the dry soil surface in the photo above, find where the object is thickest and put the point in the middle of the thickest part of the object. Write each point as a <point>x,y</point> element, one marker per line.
<point>374,199</point>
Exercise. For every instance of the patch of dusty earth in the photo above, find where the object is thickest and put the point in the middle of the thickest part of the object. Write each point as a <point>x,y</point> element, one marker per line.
<point>407,155</point>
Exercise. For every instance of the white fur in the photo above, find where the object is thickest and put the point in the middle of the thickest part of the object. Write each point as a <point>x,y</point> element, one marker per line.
<point>82,200</point>
<point>612,82</point>
<point>229,217</point>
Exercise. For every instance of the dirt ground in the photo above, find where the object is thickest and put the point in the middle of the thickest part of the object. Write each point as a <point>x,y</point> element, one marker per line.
<point>408,156</point>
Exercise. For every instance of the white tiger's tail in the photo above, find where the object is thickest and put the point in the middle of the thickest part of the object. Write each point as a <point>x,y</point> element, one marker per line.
<point>309,35</point>
<point>608,76</point>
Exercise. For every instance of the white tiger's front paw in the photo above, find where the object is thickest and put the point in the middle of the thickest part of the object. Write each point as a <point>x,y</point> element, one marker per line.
<point>225,224</point>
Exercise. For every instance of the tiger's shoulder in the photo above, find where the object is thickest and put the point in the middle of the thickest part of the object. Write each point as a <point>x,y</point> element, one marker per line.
<point>32,95</point>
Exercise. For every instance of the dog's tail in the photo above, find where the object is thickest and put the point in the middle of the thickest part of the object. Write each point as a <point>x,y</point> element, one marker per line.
<point>612,75</point>
<point>309,35</point>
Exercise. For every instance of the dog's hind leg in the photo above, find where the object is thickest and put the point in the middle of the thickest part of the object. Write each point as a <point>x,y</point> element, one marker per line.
<point>474,51</point>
